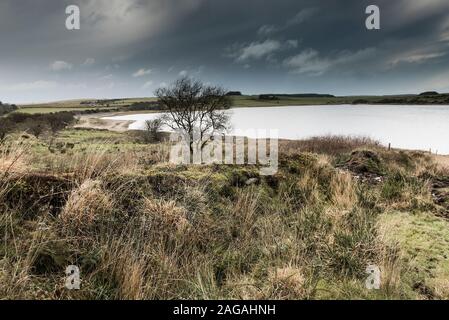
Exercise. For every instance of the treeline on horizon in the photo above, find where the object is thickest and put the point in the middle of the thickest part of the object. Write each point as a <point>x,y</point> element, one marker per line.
<point>428,97</point>
<point>7,108</point>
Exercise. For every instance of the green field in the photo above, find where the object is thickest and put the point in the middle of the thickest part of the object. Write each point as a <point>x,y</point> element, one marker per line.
<point>282,100</point>
<point>53,109</point>
<point>77,105</point>
<point>240,102</point>
<point>254,101</point>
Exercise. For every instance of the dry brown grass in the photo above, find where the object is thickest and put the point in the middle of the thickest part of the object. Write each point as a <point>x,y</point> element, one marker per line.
<point>142,229</point>
<point>442,162</point>
<point>14,164</point>
<point>330,145</point>
<point>167,213</point>
<point>14,157</point>
<point>343,189</point>
<point>97,162</point>
<point>87,205</point>
<point>126,267</point>
<point>286,283</point>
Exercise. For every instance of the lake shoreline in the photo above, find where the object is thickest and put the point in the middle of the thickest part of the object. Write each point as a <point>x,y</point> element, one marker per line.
<point>404,127</point>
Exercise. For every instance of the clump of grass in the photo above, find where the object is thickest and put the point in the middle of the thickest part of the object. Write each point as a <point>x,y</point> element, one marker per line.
<point>87,206</point>
<point>286,283</point>
<point>363,161</point>
<point>331,145</point>
<point>343,188</point>
<point>166,215</point>
<point>407,192</point>
<point>13,157</point>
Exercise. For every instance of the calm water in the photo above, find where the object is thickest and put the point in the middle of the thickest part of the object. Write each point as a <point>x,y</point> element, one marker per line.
<point>408,127</point>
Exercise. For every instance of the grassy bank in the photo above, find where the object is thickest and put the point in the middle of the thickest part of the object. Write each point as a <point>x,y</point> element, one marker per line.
<point>83,105</point>
<point>140,228</point>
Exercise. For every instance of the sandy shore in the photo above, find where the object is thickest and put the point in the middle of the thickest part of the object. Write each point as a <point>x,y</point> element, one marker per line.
<point>94,121</point>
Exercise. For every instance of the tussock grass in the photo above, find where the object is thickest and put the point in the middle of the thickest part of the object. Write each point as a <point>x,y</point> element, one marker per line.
<point>330,145</point>
<point>86,206</point>
<point>140,228</point>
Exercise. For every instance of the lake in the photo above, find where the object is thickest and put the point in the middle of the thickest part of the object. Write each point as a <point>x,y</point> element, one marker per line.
<point>406,127</point>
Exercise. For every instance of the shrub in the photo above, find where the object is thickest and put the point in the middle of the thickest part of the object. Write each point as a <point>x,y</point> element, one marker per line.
<point>331,145</point>
<point>6,126</point>
<point>37,124</point>
<point>364,162</point>
<point>59,121</point>
<point>152,130</point>
<point>234,93</point>
<point>7,108</point>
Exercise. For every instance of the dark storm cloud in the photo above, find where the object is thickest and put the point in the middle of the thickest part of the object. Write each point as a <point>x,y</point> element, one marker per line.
<point>130,47</point>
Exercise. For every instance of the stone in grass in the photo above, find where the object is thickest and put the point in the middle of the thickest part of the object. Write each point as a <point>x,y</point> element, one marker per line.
<point>251,181</point>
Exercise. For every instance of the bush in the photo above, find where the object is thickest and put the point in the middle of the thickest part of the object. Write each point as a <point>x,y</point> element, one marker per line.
<point>234,93</point>
<point>364,162</point>
<point>36,124</point>
<point>7,108</point>
<point>35,127</point>
<point>6,126</point>
<point>59,121</point>
<point>152,130</point>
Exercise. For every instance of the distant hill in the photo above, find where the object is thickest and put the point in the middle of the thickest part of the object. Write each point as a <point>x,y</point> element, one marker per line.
<point>429,93</point>
<point>300,95</point>
<point>238,99</point>
<point>234,93</point>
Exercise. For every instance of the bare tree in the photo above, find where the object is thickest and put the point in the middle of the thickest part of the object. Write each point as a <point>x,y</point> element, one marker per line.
<point>152,130</point>
<point>194,106</point>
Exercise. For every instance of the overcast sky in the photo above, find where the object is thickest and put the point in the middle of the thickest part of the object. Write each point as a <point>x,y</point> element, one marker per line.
<point>128,48</point>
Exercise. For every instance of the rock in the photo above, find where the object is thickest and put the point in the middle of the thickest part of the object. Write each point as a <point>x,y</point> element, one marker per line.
<point>251,181</point>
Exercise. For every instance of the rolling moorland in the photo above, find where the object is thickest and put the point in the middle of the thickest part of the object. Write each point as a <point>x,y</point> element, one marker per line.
<point>141,228</point>
<point>238,100</point>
